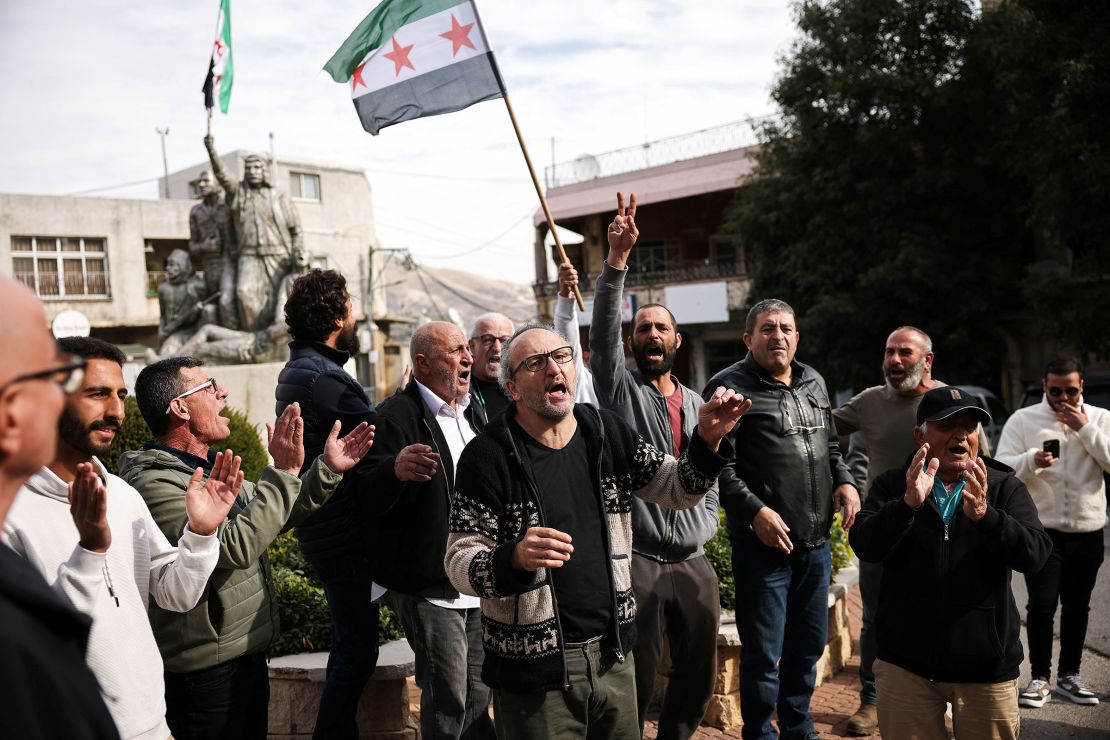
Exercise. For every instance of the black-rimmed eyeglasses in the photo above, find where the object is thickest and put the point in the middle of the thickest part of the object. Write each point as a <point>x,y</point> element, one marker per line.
<point>487,340</point>
<point>206,385</point>
<point>69,376</point>
<point>535,363</point>
<point>1056,391</point>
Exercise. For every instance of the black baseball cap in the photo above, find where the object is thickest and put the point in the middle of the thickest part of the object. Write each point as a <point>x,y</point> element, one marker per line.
<point>949,400</point>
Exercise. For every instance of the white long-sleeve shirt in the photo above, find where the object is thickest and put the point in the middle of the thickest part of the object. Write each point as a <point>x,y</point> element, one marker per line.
<point>114,587</point>
<point>566,323</point>
<point>1070,495</point>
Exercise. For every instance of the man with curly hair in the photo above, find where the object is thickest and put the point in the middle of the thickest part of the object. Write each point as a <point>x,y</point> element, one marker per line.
<point>318,313</point>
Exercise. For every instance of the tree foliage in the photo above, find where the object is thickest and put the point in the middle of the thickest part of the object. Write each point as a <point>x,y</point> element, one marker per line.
<point>905,181</point>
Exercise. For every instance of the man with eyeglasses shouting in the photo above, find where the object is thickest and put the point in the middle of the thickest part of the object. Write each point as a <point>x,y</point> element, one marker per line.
<point>49,691</point>
<point>409,487</point>
<point>780,492</point>
<point>1060,449</point>
<point>108,554</point>
<point>487,341</point>
<point>541,530</point>
<point>217,684</point>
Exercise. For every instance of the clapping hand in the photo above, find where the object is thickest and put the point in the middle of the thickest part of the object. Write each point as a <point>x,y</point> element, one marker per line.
<point>285,440</point>
<point>719,415</point>
<point>340,455</point>
<point>623,232</point>
<point>919,478</point>
<point>88,505</point>
<point>207,502</point>
<point>975,490</point>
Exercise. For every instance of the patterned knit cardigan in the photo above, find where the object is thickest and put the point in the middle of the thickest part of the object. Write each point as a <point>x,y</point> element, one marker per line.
<point>496,501</point>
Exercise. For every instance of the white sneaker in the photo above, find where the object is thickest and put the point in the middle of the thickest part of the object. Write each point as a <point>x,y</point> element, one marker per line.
<point>1035,694</point>
<point>1073,689</point>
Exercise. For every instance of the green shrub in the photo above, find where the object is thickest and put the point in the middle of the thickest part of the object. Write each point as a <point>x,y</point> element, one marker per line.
<point>302,606</point>
<point>719,552</point>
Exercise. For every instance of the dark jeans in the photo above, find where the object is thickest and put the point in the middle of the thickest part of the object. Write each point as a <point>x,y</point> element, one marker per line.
<point>600,704</point>
<point>1068,578</point>
<point>354,644</point>
<point>228,701</point>
<point>447,643</point>
<point>870,578</point>
<point>782,615</point>
<point>681,601</point>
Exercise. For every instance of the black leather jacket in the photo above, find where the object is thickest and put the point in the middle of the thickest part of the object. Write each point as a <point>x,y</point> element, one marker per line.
<point>787,454</point>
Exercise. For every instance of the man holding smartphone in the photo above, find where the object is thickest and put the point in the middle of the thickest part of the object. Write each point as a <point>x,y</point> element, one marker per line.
<point>1060,449</point>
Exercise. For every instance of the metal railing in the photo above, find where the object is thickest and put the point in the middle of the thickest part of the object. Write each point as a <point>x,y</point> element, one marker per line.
<point>685,274</point>
<point>66,286</point>
<point>727,137</point>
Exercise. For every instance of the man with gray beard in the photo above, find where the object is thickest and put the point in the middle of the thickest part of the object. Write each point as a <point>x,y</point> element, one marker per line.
<point>885,416</point>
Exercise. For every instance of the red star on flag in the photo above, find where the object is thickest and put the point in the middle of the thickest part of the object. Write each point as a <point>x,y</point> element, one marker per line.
<point>356,77</point>
<point>459,35</point>
<point>400,57</point>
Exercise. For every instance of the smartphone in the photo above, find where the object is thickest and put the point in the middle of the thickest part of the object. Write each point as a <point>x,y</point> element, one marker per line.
<point>1052,446</point>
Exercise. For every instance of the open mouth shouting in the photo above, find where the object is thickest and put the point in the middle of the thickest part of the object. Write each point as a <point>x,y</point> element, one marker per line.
<point>556,391</point>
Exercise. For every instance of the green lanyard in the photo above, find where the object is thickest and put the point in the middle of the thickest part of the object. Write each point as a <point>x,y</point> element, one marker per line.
<point>947,501</point>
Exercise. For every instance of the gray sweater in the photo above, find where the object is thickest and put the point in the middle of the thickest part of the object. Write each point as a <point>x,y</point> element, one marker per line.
<point>658,533</point>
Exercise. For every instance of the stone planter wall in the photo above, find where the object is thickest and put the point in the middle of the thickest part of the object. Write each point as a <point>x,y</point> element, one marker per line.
<point>297,683</point>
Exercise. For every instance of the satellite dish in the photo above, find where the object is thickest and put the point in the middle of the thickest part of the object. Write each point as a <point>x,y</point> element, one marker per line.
<point>586,167</point>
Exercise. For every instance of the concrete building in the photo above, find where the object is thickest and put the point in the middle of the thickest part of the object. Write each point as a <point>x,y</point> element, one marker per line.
<point>684,258</point>
<point>103,257</point>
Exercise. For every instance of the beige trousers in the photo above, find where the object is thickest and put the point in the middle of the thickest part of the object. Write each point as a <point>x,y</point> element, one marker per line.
<point>912,707</point>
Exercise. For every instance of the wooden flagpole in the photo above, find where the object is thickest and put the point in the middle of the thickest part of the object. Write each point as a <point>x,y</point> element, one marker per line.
<point>542,197</point>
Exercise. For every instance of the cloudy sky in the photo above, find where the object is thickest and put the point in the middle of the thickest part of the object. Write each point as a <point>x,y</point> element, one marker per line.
<point>86,83</point>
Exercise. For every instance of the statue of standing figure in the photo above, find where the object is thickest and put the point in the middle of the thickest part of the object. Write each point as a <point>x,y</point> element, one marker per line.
<point>180,303</point>
<point>212,244</point>
<point>270,238</point>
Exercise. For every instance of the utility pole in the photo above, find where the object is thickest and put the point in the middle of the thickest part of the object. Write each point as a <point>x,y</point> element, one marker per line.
<point>163,132</point>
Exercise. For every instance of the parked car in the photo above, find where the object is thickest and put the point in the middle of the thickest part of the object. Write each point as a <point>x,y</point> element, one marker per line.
<point>997,410</point>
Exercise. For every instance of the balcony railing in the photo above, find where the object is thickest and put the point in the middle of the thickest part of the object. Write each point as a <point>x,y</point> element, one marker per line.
<point>727,137</point>
<point>52,286</point>
<point>685,274</point>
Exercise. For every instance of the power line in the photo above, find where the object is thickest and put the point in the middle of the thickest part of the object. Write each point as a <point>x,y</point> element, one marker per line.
<point>457,294</point>
<point>116,187</point>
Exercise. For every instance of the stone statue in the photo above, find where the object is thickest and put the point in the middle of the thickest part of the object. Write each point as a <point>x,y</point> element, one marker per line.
<point>180,303</point>
<point>271,242</point>
<point>221,345</point>
<point>212,245</point>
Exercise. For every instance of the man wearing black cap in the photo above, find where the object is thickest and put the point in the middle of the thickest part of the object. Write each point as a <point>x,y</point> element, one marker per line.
<point>948,527</point>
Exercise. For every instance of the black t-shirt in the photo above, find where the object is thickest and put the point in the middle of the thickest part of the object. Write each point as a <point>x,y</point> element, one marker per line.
<point>492,395</point>
<point>572,505</point>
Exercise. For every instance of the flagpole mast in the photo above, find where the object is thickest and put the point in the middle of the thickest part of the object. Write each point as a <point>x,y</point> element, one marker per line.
<point>542,197</point>
<point>527,157</point>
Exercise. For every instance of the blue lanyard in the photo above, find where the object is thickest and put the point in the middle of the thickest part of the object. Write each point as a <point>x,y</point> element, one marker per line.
<point>948,502</point>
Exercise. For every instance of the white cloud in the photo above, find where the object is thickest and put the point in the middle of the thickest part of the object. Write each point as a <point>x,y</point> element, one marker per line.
<point>85,85</point>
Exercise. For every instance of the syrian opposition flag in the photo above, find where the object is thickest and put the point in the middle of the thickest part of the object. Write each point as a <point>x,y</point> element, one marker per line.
<point>221,73</point>
<point>415,58</point>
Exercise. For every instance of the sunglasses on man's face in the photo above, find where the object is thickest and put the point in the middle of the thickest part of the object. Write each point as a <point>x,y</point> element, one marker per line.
<point>1056,391</point>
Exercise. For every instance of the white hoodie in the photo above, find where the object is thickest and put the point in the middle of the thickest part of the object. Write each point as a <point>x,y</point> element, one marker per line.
<point>1070,495</point>
<point>114,587</point>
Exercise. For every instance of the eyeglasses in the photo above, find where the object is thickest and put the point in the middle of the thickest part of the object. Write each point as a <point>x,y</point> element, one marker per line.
<point>535,363</point>
<point>69,376</point>
<point>1056,391</point>
<point>487,340</point>
<point>206,385</point>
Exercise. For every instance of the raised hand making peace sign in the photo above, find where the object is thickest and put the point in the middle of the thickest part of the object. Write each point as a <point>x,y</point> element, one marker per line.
<point>623,232</point>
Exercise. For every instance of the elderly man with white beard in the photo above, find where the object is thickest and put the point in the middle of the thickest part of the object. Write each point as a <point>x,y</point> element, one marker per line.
<point>885,416</point>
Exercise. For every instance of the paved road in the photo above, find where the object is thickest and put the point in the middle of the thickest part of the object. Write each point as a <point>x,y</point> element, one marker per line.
<point>1098,629</point>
